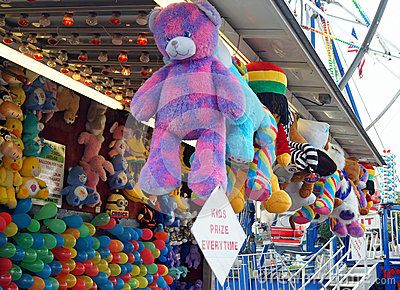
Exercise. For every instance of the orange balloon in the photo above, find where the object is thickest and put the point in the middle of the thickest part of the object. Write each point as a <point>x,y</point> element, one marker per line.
<point>38,283</point>
<point>168,279</point>
<point>75,232</point>
<point>71,264</point>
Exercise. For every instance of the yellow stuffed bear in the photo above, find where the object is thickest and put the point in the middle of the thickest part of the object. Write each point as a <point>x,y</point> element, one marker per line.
<point>31,185</point>
<point>9,179</point>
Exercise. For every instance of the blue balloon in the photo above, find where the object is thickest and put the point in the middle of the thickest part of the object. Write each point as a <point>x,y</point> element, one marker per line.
<point>25,281</point>
<point>104,241</point>
<point>125,236</point>
<point>139,233</point>
<point>19,254</point>
<point>38,240</point>
<point>56,268</point>
<point>117,231</point>
<point>23,206</point>
<point>84,244</point>
<point>162,259</point>
<point>81,256</point>
<point>120,284</point>
<point>128,267</point>
<point>108,285</point>
<point>149,278</point>
<point>46,272</point>
<point>128,247</point>
<point>22,220</point>
<point>104,252</point>
<point>141,246</point>
<point>3,240</point>
<point>73,221</point>
<point>164,251</point>
<point>138,262</point>
<point>161,282</point>
<point>136,255</point>
<point>134,235</point>
<point>48,285</point>
<point>123,270</point>
<point>59,239</point>
<point>91,253</point>
<point>169,247</point>
<point>100,279</point>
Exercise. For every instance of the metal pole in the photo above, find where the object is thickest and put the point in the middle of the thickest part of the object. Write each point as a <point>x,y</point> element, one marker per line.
<point>364,47</point>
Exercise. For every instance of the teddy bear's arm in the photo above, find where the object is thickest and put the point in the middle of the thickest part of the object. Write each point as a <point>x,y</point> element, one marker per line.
<point>145,102</point>
<point>230,95</point>
<point>41,183</point>
<point>17,179</point>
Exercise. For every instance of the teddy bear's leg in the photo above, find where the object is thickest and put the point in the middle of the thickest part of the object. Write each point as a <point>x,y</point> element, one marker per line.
<point>12,201</point>
<point>162,172</point>
<point>355,229</point>
<point>23,192</point>
<point>267,132</point>
<point>208,168</point>
<point>3,195</point>
<point>279,201</point>
<point>338,228</point>
<point>239,142</point>
<point>43,193</point>
<point>304,215</point>
<point>258,185</point>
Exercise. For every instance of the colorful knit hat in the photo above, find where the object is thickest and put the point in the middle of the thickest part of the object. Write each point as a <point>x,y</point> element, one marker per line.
<point>266,77</point>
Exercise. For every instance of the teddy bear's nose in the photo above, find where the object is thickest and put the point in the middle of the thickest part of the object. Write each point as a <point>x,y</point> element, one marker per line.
<point>174,43</point>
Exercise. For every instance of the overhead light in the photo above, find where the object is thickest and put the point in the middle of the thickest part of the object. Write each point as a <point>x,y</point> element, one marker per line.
<point>95,39</point>
<point>74,39</point>
<point>142,39</point>
<point>23,20</point>
<point>44,20</point>
<point>88,81</point>
<point>106,70</point>
<point>117,39</point>
<point>144,57</point>
<point>108,82</point>
<point>53,40</point>
<point>141,19</point>
<point>115,18</point>
<point>98,87</point>
<point>76,75</point>
<point>32,38</point>
<point>87,70</point>
<point>126,71</point>
<point>23,48</point>
<point>118,96</point>
<point>68,19</point>
<point>64,69</point>
<point>126,82</point>
<point>38,55</point>
<point>8,38</point>
<point>123,56</point>
<point>127,101</point>
<point>91,19</point>
<point>52,62</point>
<point>145,71</point>
<point>63,56</point>
<point>2,20</point>
<point>108,91</point>
<point>129,92</point>
<point>164,3</point>
<point>55,76</point>
<point>83,56</point>
<point>103,57</point>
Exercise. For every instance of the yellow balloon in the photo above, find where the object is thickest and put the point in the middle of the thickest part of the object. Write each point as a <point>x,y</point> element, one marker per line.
<point>73,252</point>
<point>96,258</point>
<point>11,230</point>
<point>71,264</point>
<point>109,258</point>
<point>143,270</point>
<point>115,269</point>
<point>102,265</point>
<point>107,271</point>
<point>126,287</point>
<point>70,279</point>
<point>92,229</point>
<point>123,258</point>
<point>166,271</point>
<point>142,282</point>
<point>88,282</point>
<point>120,245</point>
<point>135,270</point>
<point>156,253</point>
<point>69,240</point>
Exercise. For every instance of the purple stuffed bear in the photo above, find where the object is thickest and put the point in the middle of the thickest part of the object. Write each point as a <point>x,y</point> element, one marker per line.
<point>191,96</point>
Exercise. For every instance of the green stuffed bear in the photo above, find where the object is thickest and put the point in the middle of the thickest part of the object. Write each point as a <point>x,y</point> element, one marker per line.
<point>34,145</point>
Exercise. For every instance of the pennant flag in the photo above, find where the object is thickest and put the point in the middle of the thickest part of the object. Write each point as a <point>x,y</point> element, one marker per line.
<point>355,49</point>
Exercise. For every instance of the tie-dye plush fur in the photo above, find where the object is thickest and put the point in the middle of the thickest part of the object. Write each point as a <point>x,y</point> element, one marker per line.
<point>191,97</point>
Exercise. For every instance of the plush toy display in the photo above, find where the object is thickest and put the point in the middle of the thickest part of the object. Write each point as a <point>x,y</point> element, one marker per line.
<point>190,96</point>
<point>118,145</point>
<point>31,185</point>
<point>10,179</point>
<point>34,145</point>
<point>67,102</point>
<point>76,193</point>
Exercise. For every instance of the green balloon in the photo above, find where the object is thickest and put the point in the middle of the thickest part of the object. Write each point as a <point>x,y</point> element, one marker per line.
<point>49,210</point>
<point>149,245</point>
<point>84,230</point>
<point>152,269</point>
<point>35,266</point>
<point>30,256</point>
<point>50,241</point>
<point>56,225</point>
<point>34,226</point>
<point>24,240</point>
<point>7,251</point>
<point>45,255</point>
<point>101,219</point>
<point>96,243</point>
<point>15,272</point>
<point>54,283</point>
<point>133,284</point>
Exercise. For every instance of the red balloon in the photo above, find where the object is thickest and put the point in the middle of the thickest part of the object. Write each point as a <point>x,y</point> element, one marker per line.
<point>147,234</point>
<point>156,276</point>
<point>161,236</point>
<point>160,244</point>
<point>153,286</point>
<point>94,287</point>
<point>65,269</point>
<point>61,254</point>
<point>168,279</point>
<point>161,269</point>
<point>5,279</point>
<point>12,286</point>
<point>116,258</point>
<point>110,224</point>
<point>88,265</point>
<point>3,224</point>
<point>6,216</point>
<point>147,256</point>
<point>5,264</point>
<point>80,285</point>
<point>93,271</point>
<point>113,246</point>
<point>62,284</point>
<point>113,280</point>
<point>135,245</point>
<point>79,269</point>
<point>131,258</point>
<point>126,277</point>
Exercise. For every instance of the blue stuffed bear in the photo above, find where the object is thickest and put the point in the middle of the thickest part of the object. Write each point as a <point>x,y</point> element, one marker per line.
<point>167,207</point>
<point>76,193</point>
<point>121,179</point>
<point>240,133</point>
<point>33,144</point>
<point>35,96</point>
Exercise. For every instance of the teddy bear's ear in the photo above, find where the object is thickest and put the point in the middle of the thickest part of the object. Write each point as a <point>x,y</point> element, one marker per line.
<point>113,127</point>
<point>210,11</point>
<point>152,17</point>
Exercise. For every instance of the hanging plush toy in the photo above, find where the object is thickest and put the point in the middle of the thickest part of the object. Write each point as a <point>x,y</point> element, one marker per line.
<point>353,171</point>
<point>10,179</point>
<point>191,97</point>
<point>118,145</point>
<point>15,78</point>
<point>34,145</point>
<point>31,185</point>
<point>67,102</point>
<point>120,179</point>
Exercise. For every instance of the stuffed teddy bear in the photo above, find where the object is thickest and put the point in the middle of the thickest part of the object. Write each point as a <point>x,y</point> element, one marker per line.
<point>76,193</point>
<point>353,171</point>
<point>31,185</point>
<point>166,207</point>
<point>36,96</point>
<point>10,144</point>
<point>10,179</point>
<point>9,110</point>
<point>193,259</point>
<point>191,97</point>
<point>34,145</point>
<point>15,78</point>
<point>118,145</point>
<point>120,179</point>
<point>96,120</point>
<point>67,102</point>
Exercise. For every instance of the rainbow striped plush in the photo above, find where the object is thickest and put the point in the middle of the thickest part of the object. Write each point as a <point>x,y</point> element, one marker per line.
<point>325,190</point>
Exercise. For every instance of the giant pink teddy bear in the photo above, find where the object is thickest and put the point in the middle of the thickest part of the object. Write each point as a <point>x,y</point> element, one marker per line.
<point>191,96</point>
